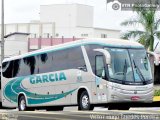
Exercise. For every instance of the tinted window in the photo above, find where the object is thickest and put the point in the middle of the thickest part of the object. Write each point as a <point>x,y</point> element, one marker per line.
<point>7,69</point>
<point>45,62</point>
<point>48,62</point>
<point>68,59</point>
<point>32,63</point>
<point>21,68</point>
<point>100,66</point>
<point>24,67</point>
<point>92,54</point>
<point>61,60</point>
<point>16,67</point>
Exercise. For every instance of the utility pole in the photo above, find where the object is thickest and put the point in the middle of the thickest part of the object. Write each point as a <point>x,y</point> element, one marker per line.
<point>2,31</point>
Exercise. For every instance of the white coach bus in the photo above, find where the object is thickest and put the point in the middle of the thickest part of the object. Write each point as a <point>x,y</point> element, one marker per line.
<point>82,73</point>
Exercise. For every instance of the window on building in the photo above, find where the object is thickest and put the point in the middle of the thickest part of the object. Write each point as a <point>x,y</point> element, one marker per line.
<point>33,35</point>
<point>84,35</point>
<point>46,35</point>
<point>57,35</point>
<point>103,35</point>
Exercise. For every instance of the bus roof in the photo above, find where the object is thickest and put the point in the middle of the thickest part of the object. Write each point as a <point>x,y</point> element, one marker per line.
<point>108,42</point>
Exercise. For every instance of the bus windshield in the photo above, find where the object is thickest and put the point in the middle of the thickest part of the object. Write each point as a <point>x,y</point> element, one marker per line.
<point>129,66</point>
<point>141,65</point>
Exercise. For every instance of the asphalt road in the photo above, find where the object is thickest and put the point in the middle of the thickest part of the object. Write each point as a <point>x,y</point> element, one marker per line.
<point>73,114</point>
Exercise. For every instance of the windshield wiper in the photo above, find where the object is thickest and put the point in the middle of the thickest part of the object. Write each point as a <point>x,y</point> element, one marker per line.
<point>125,70</point>
<point>139,73</point>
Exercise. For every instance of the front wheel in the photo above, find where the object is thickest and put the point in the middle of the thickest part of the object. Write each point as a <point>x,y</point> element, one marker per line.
<point>84,102</point>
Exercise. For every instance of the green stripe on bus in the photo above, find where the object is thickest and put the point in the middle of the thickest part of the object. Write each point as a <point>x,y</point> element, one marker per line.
<point>14,87</point>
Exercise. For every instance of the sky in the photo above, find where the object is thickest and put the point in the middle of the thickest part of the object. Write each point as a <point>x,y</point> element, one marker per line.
<point>23,11</point>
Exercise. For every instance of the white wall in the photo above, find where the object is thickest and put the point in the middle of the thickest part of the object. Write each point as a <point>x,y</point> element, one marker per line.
<point>79,32</point>
<point>23,28</point>
<point>74,31</point>
<point>84,16</point>
<point>16,44</point>
<point>62,14</point>
<point>110,33</point>
<point>10,28</point>
<point>67,15</point>
<point>40,29</point>
<point>35,29</point>
<point>48,28</point>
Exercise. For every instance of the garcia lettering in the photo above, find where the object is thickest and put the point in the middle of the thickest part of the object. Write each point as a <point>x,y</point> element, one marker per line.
<point>48,78</point>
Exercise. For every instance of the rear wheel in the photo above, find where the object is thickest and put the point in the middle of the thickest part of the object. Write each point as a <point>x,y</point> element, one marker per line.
<point>22,104</point>
<point>84,102</point>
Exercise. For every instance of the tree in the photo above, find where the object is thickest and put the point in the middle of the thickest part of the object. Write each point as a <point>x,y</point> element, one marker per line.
<point>146,17</point>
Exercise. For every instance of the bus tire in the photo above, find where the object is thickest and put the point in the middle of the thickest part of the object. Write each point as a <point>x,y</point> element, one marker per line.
<point>84,102</point>
<point>22,104</point>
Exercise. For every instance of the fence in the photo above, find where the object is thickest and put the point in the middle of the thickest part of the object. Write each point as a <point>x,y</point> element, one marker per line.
<point>38,43</point>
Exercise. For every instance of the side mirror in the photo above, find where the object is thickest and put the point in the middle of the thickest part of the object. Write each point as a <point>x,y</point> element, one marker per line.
<point>156,57</point>
<point>106,54</point>
<point>82,68</point>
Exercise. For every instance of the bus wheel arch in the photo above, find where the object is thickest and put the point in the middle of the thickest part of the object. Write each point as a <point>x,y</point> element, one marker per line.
<point>22,102</point>
<point>83,93</point>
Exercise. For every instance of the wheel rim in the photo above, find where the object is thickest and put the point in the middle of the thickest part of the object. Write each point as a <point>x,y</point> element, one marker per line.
<point>22,105</point>
<point>85,101</point>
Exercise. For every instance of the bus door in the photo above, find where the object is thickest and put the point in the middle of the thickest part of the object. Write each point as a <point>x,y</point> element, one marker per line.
<point>101,74</point>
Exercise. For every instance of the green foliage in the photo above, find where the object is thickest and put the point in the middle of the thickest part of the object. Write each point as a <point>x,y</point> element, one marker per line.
<point>145,18</point>
<point>157,93</point>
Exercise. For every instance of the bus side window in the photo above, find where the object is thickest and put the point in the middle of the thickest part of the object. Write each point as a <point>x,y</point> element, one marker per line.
<point>100,66</point>
<point>92,54</point>
<point>7,69</point>
<point>32,63</point>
